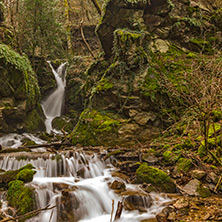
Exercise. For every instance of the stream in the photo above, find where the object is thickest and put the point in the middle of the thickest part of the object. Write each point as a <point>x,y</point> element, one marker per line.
<point>75,182</point>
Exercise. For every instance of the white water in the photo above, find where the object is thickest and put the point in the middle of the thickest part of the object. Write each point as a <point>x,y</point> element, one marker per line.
<point>85,196</point>
<point>77,183</point>
<point>52,105</point>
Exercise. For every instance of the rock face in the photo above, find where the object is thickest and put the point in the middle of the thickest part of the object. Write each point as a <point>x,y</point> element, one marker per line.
<point>143,42</point>
<point>19,93</point>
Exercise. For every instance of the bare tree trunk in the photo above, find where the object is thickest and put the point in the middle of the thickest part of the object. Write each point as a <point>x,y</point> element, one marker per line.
<point>97,6</point>
<point>68,29</point>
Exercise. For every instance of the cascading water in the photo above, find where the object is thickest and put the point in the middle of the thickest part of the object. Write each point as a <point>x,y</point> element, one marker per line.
<point>77,184</point>
<point>52,105</point>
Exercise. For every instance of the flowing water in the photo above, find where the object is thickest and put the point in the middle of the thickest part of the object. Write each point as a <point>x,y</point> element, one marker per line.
<point>77,184</point>
<point>53,104</point>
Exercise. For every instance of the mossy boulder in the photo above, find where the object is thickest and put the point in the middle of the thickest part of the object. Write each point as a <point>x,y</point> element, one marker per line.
<point>156,177</point>
<point>21,197</point>
<point>183,165</point>
<point>24,174</point>
<point>95,128</point>
<point>19,83</point>
<point>63,122</point>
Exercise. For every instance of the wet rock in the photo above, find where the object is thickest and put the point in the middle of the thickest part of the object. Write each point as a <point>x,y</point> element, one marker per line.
<point>60,186</point>
<point>161,217</point>
<point>196,188</point>
<point>197,174</point>
<point>24,174</point>
<point>118,185</point>
<point>137,202</point>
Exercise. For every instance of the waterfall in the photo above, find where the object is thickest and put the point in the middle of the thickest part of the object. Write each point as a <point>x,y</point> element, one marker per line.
<point>78,185</point>
<point>52,105</point>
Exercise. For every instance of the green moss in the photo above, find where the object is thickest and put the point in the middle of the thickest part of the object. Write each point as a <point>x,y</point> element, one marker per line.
<point>156,177</point>
<point>21,197</point>
<point>103,85</point>
<point>34,120</point>
<point>9,58</point>
<point>203,191</point>
<point>25,175</point>
<point>183,165</point>
<point>217,115</point>
<point>95,128</point>
<point>170,157</point>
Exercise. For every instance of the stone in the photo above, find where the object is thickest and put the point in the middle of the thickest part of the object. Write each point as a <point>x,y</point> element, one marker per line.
<point>212,177</point>
<point>156,177</point>
<point>197,174</point>
<point>149,158</point>
<point>160,45</point>
<point>118,185</point>
<point>196,188</point>
<point>181,203</point>
<point>143,117</point>
<point>137,202</point>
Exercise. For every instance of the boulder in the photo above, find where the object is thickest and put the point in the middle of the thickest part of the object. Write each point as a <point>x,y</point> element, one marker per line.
<point>196,188</point>
<point>156,177</point>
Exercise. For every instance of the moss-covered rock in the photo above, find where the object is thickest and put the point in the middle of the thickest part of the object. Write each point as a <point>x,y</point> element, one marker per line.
<point>63,123</point>
<point>19,82</point>
<point>95,128</point>
<point>21,197</point>
<point>25,174</point>
<point>183,165</point>
<point>156,177</point>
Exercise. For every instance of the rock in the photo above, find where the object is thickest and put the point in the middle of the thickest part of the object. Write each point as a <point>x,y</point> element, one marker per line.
<point>161,217</point>
<point>137,201</point>
<point>149,158</point>
<point>197,174</point>
<point>195,188</point>
<point>24,174</point>
<point>212,177</point>
<point>21,197</point>
<point>63,122</point>
<point>143,117</point>
<point>118,185</point>
<point>156,177</point>
<point>181,203</point>
<point>160,45</point>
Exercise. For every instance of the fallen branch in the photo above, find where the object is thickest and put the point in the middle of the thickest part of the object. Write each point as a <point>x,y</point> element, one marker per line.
<point>118,211</point>
<point>111,219</point>
<point>55,145</point>
<point>34,212</point>
<point>218,184</point>
<point>84,39</point>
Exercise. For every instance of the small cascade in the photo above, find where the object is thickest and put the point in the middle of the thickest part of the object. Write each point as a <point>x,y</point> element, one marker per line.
<point>77,185</point>
<point>52,105</point>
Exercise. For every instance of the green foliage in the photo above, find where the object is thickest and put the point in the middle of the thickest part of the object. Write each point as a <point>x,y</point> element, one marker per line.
<point>21,197</point>
<point>40,31</point>
<point>156,177</point>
